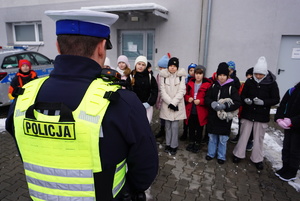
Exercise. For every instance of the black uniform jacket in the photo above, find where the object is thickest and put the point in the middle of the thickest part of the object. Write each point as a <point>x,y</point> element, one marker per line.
<point>215,125</point>
<point>267,90</point>
<point>127,133</point>
<point>145,88</point>
<point>290,108</point>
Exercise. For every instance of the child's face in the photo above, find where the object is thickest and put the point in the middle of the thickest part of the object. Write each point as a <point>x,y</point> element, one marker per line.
<point>161,68</point>
<point>248,76</point>
<point>172,69</point>
<point>259,76</point>
<point>230,71</point>
<point>199,77</point>
<point>222,78</point>
<point>25,68</point>
<point>140,66</point>
<point>191,72</point>
<point>122,65</point>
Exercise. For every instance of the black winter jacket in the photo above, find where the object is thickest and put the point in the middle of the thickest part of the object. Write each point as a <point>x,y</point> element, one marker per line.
<point>215,125</point>
<point>145,89</point>
<point>290,107</point>
<point>236,80</point>
<point>267,90</point>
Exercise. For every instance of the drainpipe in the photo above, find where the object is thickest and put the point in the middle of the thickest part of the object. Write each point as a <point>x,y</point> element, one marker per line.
<point>207,33</point>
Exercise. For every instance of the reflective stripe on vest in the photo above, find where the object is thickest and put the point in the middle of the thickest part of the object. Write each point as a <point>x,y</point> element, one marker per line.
<point>119,179</point>
<point>59,162</point>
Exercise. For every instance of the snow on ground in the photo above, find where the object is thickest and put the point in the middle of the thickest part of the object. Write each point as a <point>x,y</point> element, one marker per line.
<point>272,147</point>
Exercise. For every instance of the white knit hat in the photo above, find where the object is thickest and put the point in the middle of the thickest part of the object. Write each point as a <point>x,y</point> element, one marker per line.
<point>261,66</point>
<point>142,59</point>
<point>107,62</point>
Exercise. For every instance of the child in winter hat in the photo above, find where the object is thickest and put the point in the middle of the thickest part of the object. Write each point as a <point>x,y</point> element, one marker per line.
<point>141,59</point>
<point>106,63</point>
<point>24,76</point>
<point>202,68</point>
<point>123,58</point>
<point>223,69</point>
<point>261,67</point>
<point>192,65</point>
<point>123,66</point>
<point>191,72</point>
<point>173,61</point>
<point>163,62</point>
<point>231,65</point>
<point>24,62</point>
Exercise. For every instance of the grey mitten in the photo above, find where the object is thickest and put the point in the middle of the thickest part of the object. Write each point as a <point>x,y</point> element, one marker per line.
<point>214,104</point>
<point>258,101</point>
<point>221,106</point>
<point>218,106</point>
<point>248,101</point>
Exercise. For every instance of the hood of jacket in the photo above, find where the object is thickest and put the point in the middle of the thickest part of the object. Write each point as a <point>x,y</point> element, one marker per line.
<point>227,81</point>
<point>165,73</point>
<point>270,78</point>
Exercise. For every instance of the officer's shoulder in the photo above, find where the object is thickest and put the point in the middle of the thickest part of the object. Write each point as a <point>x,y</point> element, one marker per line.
<point>128,97</point>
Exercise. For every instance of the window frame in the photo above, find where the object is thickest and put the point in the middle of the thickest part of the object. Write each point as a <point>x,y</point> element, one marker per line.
<point>36,33</point>
<point>145,42</point>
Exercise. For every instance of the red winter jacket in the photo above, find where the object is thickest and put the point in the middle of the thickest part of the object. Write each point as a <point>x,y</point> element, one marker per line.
<point>202,110</point>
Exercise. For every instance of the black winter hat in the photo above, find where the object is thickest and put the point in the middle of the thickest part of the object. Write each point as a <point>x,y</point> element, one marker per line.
<point>173,61</point>
<point>249,71</point>
<point>223,69</point>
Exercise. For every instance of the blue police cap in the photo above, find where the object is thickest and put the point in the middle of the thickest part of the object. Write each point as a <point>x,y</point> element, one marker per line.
<point>83,22</point>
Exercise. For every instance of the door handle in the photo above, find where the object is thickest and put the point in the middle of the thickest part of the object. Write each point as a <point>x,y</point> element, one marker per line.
<point>279,70</point>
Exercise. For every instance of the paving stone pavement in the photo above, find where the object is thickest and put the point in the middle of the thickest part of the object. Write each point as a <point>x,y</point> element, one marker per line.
<point>185,176</point>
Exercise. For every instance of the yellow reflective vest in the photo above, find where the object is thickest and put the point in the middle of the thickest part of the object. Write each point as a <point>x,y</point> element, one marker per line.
<point>60,157</point>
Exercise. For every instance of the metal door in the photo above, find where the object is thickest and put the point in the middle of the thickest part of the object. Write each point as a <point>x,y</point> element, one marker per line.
<point>288,69</point>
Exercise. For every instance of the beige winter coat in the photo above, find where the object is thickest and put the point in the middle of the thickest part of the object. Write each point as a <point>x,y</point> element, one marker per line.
<point>172,91</point>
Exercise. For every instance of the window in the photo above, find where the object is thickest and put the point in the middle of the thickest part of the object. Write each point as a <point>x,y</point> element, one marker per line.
<point>28,33</point>
<point>136,43</point>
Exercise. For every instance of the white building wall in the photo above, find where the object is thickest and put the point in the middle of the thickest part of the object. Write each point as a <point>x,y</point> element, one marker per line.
<point>243,31</point>
<point>239,30</point>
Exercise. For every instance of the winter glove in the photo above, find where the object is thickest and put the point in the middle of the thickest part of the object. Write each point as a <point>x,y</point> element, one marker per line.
<point>282,124</point>
<point>18,91</point>
<point>172,107</point>
<point>217,106</point>
<point>248,101</point>
<point>258,101</point>
<point>287,121</point>
<point>146,105</point>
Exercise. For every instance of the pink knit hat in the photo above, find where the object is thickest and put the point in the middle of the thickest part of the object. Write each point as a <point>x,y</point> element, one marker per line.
<point>123,58</point>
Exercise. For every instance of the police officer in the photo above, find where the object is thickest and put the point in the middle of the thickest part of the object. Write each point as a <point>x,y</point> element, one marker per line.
<point>80,137</point>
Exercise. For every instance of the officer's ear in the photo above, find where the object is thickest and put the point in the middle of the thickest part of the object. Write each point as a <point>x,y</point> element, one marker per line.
<point>100,52</point>
<point>57,47</point>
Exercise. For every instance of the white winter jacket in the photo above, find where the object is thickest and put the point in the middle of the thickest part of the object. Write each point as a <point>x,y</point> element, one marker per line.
<point>172,91</point>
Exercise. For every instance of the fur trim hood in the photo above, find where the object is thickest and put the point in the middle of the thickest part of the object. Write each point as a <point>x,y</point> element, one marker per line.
<point>165,73</point>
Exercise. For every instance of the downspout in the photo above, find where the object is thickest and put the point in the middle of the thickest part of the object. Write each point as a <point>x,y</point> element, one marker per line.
<point>207,33</point>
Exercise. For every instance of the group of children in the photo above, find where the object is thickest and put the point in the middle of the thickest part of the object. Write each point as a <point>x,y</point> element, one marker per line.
<point>215,101</point>
<point>210,102</point>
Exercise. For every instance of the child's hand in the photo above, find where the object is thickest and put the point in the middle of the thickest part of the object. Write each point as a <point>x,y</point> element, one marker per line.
<point>258,101</point>
<point>248,101</point>
<point>282,124</point>
<point>197,102</point>
<point>190,99</point>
